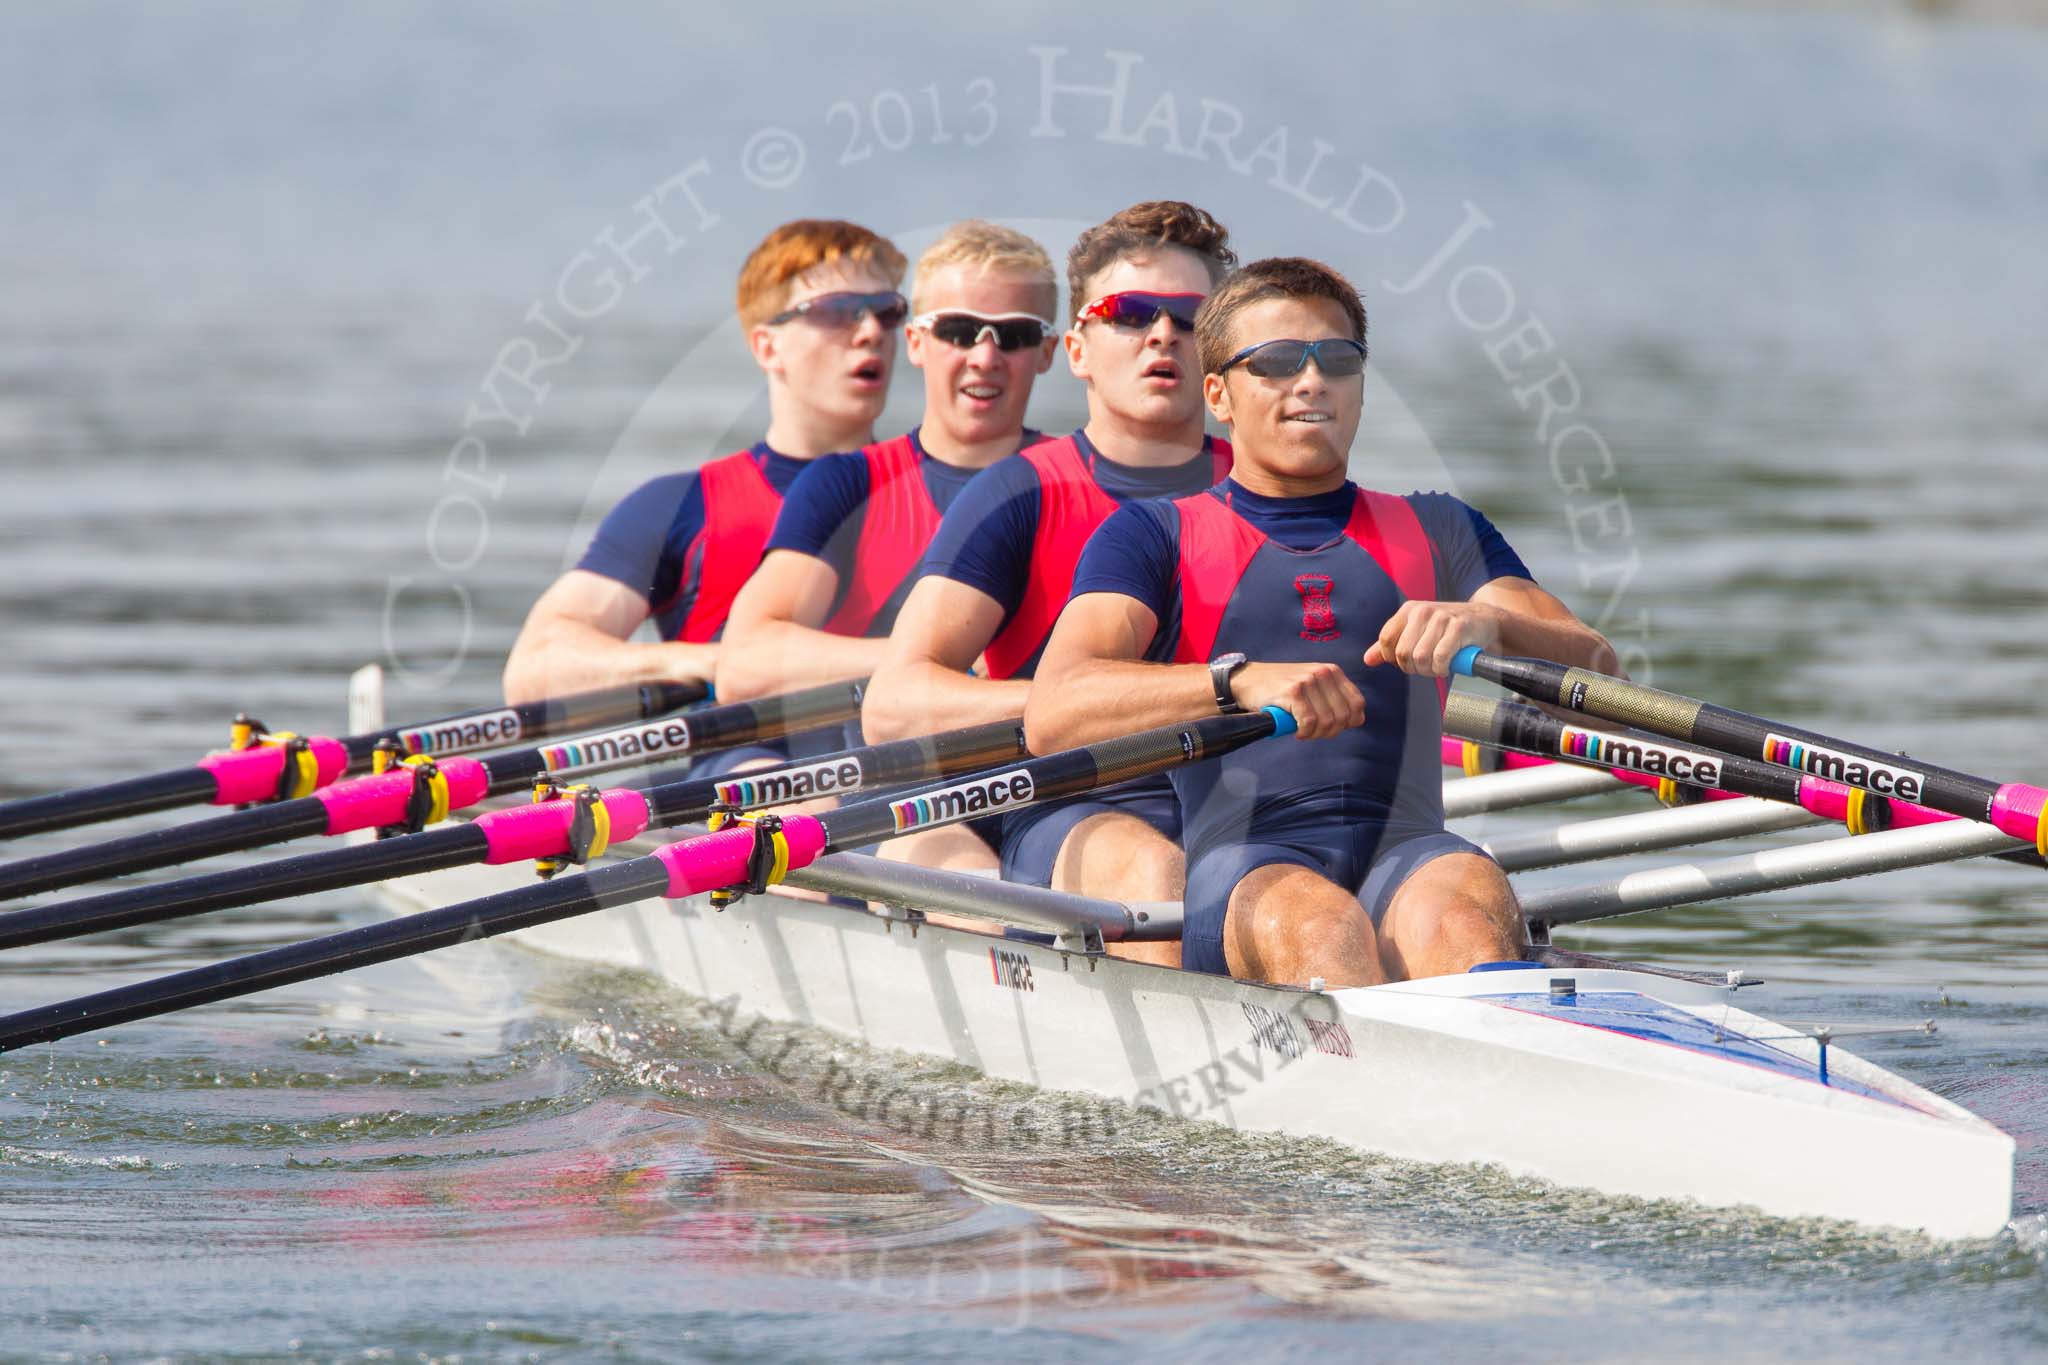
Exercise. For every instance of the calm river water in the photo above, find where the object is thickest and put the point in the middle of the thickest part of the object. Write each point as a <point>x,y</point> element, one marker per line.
<point>268,277</point>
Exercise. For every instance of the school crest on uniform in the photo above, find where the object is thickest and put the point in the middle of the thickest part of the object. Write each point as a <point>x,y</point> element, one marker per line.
<point>1318,617</point>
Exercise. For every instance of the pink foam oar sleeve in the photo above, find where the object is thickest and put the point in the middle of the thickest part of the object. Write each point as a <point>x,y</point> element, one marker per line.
<point>711,861</point>
<point>1506,760</point>
<point>1829,800</point>
<point>2017,810</point>
<point>244,775</point>
<point>542,831</point>
<point>367,802</point>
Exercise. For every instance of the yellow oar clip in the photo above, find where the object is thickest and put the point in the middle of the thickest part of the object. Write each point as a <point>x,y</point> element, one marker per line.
<point>767,865</point>
<point>437,785</point>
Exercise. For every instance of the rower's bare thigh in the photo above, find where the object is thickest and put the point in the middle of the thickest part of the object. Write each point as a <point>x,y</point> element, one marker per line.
<point>955,848</point>
<point>1120,857</point>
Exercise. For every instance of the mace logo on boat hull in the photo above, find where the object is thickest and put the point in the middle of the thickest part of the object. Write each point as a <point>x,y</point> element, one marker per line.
<point>1835,766</point>
<point>1010,968</point>
<point>791,784</point>
<point>1642,756</point>
<point>454,736</point>
<point>628,744</point>
<point>998,792</point>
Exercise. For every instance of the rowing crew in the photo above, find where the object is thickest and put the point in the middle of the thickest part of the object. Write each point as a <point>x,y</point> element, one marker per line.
<point>1134,573</point>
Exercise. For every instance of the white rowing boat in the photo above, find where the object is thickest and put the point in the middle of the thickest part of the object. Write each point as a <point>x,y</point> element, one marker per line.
<point>1627,1081</point>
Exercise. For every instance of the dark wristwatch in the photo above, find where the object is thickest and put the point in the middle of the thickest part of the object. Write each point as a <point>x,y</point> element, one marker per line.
<point>1220,669</point>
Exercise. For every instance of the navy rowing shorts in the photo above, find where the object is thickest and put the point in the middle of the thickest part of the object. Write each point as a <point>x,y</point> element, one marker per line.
<point>1365,858</point>
<point>1032,836</point>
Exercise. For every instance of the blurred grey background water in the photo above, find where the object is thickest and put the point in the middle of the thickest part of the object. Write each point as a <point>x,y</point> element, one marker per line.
<point>265,277</point>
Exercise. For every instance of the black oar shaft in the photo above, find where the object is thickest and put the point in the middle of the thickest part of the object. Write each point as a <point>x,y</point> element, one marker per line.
<point>498,727</point>
<point>109,801</point>
<point>899,760</point>
<point>616,884</point>
<point>1067,773</point>
<point>1512,726</point>
<point>163,847</point>
<point>306,874</point>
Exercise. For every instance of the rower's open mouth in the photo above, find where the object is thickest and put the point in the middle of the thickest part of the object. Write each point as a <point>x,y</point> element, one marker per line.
<point>1162,369</point>
<point>868,371</point>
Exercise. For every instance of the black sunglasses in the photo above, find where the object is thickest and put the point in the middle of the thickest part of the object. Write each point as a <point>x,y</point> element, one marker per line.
<point>846,309</point>
<point>1342,359</point>
<point>1012,331</point>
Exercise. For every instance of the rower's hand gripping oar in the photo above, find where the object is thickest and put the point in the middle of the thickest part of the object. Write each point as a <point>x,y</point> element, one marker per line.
<point>422,791</point>
<point>752,852</point>
<point>259,766</point>
<point>572,827</point>
<point>2014,808</point>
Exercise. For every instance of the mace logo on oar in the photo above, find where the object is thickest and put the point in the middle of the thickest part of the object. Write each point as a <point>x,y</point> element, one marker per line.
<point>792,784</point>
<point>1837,766</point>
<point>1640,755</point>
<point>477,732</point>
<point>968,798</point>
<point>618,746</point>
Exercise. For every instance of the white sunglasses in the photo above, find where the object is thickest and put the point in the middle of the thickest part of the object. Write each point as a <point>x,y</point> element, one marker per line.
<point>1012,331</point>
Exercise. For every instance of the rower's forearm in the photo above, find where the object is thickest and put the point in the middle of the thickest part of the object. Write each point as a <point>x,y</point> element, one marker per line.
<point>1567,642</point>
<point>781,656</point>
<point>1105,698</point>
<point>907,700</point>
<point>570,657</point>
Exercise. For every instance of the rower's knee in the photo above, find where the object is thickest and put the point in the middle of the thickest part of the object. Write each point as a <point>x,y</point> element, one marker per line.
<point>1288,924</point>
<point>1486,925</point>
<point>1450,914</point>
<point>1120,857</point>
<point>1155,869</point>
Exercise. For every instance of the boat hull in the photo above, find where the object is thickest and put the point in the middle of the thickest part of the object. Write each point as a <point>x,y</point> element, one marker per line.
<point>1628,1083</point>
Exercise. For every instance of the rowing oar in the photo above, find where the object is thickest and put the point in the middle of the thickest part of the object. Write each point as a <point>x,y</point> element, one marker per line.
<point>2014,808</point>
<point>260,766</point>
<point>1715,795</point>
<point>1676,774</point>
<point>753,854</point>
<point>575,828</point>
<point>422,790</point>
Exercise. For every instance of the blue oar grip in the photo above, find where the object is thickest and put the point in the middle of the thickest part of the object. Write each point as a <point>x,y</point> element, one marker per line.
<point>1283,720</point>
<point>1461,662</point>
